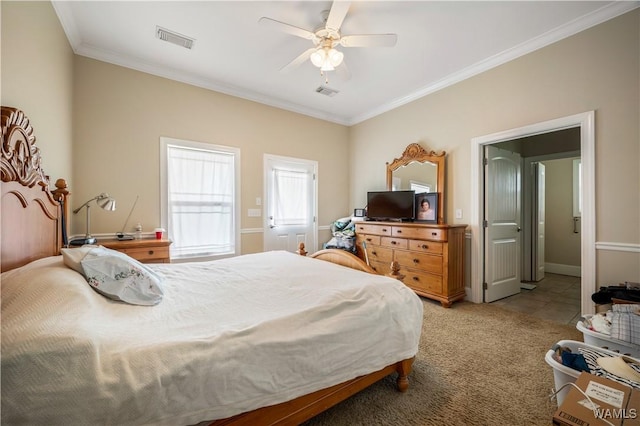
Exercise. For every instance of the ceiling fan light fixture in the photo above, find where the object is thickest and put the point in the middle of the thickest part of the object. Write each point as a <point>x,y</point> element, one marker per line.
<point>326,58</point>
<point>335,57</point>
<point>318,57</point>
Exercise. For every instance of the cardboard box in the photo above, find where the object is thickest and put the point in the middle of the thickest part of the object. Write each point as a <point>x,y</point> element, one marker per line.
<point>633,409</point>
<point>610,399</point>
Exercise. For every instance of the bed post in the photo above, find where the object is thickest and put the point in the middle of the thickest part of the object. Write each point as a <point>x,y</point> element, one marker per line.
<point>301,251</point>
<point>61,195</point>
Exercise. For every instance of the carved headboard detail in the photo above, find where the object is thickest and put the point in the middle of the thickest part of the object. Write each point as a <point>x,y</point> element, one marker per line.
<point>31,214</point>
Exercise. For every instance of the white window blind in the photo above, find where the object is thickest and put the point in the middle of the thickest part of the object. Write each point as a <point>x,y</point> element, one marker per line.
<point>201,200</point>
<point>290,195</point>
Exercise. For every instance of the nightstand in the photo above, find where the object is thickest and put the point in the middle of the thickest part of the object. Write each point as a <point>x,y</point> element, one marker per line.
<point>145,250</point>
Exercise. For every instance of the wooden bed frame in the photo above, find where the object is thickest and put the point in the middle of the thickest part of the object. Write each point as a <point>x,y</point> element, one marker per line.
<point>32,228</point>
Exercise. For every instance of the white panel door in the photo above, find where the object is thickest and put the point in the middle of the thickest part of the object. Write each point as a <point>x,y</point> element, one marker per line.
<point>539,223</point>
<point>502,223</point>
<point>290,194</point>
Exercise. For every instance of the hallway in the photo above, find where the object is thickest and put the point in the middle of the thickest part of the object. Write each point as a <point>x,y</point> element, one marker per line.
<point>556,298</point>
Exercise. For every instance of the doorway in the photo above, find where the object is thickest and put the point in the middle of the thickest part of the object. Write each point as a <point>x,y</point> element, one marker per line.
<point>585,123</point>
<point>291,203</point>
<point>515,211</point>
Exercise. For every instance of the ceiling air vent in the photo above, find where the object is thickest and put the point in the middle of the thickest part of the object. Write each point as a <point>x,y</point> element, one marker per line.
<point>324,90</point>
<point>175,38</point>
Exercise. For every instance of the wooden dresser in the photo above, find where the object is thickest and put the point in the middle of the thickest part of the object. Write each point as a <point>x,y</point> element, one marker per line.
<point>431,257</point>
<point>145,250</point>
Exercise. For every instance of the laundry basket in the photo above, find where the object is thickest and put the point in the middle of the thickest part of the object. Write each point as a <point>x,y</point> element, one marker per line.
<point>563,374</point>
<point>602,340</point>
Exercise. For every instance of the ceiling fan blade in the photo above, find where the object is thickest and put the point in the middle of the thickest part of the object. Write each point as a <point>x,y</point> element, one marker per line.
<point>298,61</point>
<point>337,13</point>
<point>369,40</point>
<point>343,72</point>
<point>289,29</point>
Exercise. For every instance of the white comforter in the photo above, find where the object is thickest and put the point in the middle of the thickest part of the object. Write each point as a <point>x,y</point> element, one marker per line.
<point>230,336</point>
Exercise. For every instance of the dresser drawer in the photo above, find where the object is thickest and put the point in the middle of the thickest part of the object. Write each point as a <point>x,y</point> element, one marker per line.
<point>422,281</point>
<point>363,228</point>
<point>425,246</point>
<point>435,234</point>
<point>148,254</point>
<point>380,254</point>
<point>421,261</point>
<point>371,240</point>
<point>381,267</point>
<point>400,243</point>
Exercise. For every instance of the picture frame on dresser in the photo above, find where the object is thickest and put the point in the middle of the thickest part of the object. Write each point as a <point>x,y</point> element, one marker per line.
<point>426,207</point>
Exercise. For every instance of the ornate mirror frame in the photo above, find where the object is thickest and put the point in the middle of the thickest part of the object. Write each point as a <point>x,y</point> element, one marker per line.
<point>415,153</point>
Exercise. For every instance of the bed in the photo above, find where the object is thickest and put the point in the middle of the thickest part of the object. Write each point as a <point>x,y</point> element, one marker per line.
<point>267,338</point>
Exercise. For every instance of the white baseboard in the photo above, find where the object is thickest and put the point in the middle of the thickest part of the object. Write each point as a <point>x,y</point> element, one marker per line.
<point>555,268</point>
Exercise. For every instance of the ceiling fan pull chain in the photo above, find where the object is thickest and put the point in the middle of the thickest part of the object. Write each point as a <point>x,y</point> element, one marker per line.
<point>325,75</point>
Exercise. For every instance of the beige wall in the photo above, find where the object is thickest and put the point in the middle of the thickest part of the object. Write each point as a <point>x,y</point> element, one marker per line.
<point>597,69</point>
<point>562,245</point>
<point>117,115</point>
<point>37,77</point>
<point>120,115</point>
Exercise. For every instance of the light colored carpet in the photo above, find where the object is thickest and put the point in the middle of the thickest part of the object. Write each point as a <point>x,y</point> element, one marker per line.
<point>478,364</point>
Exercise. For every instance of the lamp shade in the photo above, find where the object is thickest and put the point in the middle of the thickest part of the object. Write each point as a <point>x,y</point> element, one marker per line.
<point>107,203</point>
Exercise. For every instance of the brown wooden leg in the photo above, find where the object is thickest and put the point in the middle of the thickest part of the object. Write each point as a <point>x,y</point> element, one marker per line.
<point>404,368</point>
<point>446,304</point>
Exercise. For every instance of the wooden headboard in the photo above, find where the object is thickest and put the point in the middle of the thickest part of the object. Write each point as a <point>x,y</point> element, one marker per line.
<point>31,214</point>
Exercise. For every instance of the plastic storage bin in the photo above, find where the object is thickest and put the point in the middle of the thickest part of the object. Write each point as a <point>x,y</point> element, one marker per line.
<point>562,374</point>
<point>603,341</point>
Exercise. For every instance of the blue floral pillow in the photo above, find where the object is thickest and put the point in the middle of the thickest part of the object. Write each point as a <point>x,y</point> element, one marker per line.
<point>119,277</point>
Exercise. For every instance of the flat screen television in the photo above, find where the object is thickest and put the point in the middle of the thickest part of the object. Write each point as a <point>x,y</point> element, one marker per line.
<point>390,205</point>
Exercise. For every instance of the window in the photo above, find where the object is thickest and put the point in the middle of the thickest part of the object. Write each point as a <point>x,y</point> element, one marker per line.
<point>290,195</point>
<point>419,187</point>
<point>199,197</point>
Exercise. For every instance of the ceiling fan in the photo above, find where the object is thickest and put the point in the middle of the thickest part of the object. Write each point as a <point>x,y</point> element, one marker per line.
<point>324,54</point>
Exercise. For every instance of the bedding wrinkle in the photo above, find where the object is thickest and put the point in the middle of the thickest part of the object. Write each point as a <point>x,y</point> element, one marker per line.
<point>229,336</point>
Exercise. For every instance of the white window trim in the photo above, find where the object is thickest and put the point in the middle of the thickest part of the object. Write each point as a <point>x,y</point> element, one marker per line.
<point>164,208</point>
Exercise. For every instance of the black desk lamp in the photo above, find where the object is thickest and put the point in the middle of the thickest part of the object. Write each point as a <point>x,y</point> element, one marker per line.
<point>104,201</point>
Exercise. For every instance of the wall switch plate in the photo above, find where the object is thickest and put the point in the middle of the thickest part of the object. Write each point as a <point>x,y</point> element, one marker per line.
<point>254,212</point>
<point>458,213</point>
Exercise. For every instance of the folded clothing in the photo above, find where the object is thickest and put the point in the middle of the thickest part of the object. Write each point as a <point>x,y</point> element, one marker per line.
<point>625,322</point>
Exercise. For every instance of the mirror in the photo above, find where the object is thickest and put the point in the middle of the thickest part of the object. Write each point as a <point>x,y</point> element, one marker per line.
<point>420,170</point>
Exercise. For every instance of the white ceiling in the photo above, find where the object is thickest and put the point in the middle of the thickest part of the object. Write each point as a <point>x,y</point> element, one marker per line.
<point>439,43</point>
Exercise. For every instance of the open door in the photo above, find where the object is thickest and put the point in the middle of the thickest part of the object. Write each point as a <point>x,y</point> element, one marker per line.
<point>539,223</point>
<point>502,269</point>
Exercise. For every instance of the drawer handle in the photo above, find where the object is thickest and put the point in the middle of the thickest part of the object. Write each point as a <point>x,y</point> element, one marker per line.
<point>424,246</point>
<point>415,278</point>
<point>399,231</point>
<point>434,234</point>
<point>393,242</point>
<point>369,239</point>
<point>374,253</point>
<point>416,261</point>
<point>150,251</point>
<point>384,229</point>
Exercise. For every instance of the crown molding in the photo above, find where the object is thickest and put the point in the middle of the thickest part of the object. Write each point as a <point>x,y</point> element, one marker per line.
<point>585,22</point>
<point>605,13</point>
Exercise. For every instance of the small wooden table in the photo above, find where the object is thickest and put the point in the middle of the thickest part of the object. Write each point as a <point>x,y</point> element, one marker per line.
<point>146,250</point>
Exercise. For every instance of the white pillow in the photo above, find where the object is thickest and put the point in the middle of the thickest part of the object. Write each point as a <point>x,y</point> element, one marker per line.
<point>119,277</point>
<point>73,256</point>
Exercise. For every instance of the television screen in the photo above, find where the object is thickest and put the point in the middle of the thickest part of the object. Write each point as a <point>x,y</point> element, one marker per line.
<point>393,205</point>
